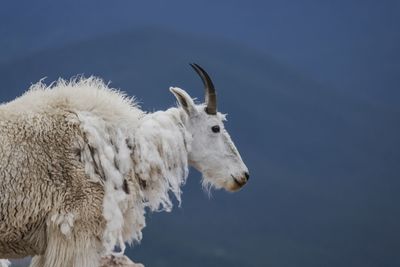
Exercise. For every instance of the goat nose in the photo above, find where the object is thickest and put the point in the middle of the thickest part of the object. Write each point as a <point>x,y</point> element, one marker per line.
<point>247,175</point>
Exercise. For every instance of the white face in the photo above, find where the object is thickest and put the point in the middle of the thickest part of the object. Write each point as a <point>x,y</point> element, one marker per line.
<point>212,150</point>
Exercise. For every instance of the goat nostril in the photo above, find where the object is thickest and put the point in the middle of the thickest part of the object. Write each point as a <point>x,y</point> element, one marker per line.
<point>247,175</point>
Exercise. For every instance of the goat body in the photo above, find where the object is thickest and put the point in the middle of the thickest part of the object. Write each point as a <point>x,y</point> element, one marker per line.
<point>79,164</point>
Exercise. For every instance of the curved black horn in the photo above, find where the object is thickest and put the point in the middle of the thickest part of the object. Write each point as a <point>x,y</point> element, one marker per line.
<point>211,96</point>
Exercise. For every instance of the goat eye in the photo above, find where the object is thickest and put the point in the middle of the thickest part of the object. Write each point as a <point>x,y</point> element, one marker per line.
<point>215,129</point>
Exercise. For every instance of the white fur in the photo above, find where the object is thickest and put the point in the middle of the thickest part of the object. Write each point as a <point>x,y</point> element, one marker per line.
<point>122,146</point>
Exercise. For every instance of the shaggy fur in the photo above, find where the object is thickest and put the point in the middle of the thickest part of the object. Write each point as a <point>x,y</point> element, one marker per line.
<point>79,164</point>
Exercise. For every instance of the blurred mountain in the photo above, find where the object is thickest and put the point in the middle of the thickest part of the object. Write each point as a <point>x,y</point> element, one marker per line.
<point>324,164</point>
<point>350,45</point>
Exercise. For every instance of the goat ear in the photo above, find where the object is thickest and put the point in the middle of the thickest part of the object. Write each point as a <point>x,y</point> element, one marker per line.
<point>184,100</point>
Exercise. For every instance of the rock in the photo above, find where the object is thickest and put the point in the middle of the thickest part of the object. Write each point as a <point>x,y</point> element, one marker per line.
<point>120,261</point>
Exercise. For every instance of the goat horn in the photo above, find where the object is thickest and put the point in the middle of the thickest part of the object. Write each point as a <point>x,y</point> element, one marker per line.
<point>211,96</point>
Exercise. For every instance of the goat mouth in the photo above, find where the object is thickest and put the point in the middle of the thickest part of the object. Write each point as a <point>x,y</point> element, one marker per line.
<point>237,182</point>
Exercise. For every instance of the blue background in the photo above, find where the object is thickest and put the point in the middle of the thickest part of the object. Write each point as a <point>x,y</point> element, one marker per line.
<point>312,93</point>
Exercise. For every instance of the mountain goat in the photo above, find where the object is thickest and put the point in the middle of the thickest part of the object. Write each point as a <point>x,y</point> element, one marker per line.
<point>80,163</point>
